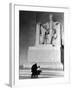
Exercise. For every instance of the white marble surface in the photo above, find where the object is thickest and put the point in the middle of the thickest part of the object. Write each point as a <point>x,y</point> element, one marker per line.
<point>44,54</point>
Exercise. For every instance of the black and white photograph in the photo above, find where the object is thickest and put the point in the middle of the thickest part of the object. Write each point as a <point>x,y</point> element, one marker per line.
<point>41,44</point>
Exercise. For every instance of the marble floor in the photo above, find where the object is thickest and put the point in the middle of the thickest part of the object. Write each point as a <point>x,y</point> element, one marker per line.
<point>46,73</point>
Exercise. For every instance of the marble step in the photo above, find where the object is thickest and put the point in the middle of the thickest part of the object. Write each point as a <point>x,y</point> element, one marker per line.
<point>44,74</point>
<point>40,76</point>
<point>49,65</point>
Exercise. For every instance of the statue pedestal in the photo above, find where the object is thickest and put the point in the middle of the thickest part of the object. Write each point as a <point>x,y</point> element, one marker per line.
<point>45,56</point>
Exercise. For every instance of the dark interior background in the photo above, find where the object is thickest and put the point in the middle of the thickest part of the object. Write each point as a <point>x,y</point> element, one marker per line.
<point>27,29</point>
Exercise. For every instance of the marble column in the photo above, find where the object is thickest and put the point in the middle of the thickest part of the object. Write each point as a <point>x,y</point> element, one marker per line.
<point>37,34</point>
<point>51,23</point>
